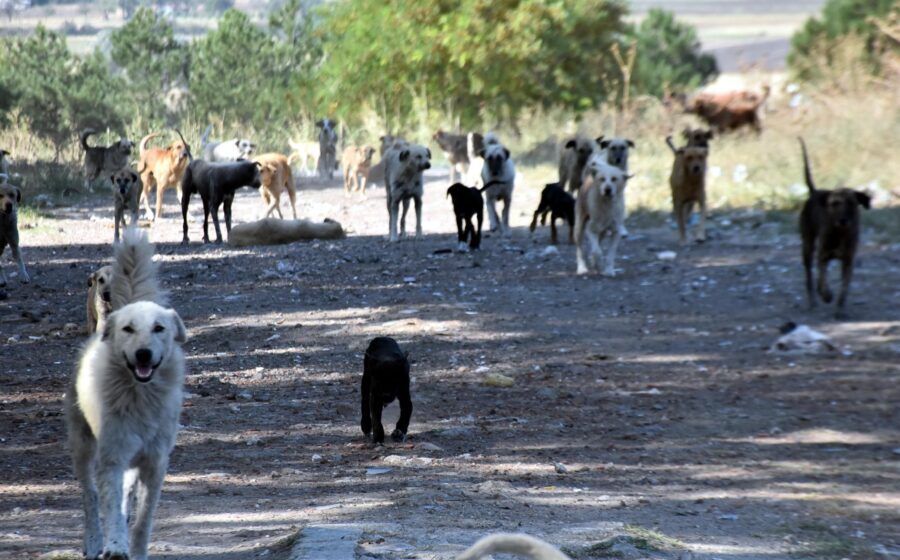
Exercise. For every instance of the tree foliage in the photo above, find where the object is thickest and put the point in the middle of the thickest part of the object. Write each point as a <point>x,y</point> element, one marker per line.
<point>474,59</point>
<point>815,44</point>
<point>59,94</point>
<point>238,73</point>
<point>152,60</point>
<point>668,55</point>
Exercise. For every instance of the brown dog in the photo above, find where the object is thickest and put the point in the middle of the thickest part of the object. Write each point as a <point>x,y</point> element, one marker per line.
<point>276,177</point>
<point>10,197</point>
<point>99,299</point>
<point>573,158</point>
<point>162,168</point>
<point>732,113</point>
<point>829,226</point>
<point>688,182</point>
<point>356,161</point>
<point>126,197</point>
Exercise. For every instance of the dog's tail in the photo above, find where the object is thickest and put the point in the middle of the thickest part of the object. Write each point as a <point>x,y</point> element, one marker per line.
<point>806,171</point>
<point>513,543</point>
<point>145,139</point>
<point>491,184</point>
<point>134,272</point>
<point>84,136</point>
<point>204,138</point>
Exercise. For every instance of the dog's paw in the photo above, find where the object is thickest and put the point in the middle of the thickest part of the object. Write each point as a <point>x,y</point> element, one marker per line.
<point>581,270</point>
<point>114,555</point>
<point>462,247</point>
<point>398,436</point>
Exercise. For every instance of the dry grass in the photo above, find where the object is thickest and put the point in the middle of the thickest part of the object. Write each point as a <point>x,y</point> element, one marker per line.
<point>851,139</point>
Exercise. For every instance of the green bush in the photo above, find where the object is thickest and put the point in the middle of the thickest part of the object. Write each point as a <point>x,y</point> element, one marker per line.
<point>668,55</point>
<point>59,94</point>
<point>816,46</point>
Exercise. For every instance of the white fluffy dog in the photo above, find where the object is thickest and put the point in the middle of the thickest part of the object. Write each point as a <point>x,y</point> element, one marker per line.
<point>597,214</point>
<point>123,405</point>
<point>498,175</point>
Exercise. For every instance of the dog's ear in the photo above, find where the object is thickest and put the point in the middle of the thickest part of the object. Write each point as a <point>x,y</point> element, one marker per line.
<point>319,124</point>
<point>506,152</point>
<point>598,139</point>
<point>427,151</point>
<point>19,195</point>
<point>863,199</point>
<point>481,153</point>
<point>630,176</point>
<point>135,178</point>
<point>3,153</point>
<point>91,279</point>
<point>604,144</point>
<point>112,178</point>
<point>258,164</point>
<point>629,142</point>
<point>237,143</point>
<point>404,155</point>
<point>109,326</point>
<point>180,330</point>
<point>570,145</point>
<point>709,134</point>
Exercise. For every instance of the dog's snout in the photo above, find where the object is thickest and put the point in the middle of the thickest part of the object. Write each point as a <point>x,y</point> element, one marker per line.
<point>143,356</point>
<point>427,165</point>
<point>8,207</point>
<point>106,296</point>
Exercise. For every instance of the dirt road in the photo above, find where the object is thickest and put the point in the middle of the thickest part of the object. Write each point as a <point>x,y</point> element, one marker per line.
<point>645,418</point>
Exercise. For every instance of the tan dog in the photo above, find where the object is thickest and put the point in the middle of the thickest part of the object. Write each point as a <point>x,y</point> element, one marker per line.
<point>597,214</point>
<point>572,159</point>
<point>99,301</point>
<point>10,197</point>
<point>162,168</point>
<point>303,152</point>
<point>688,182</point>
<point>276,177</point>
<point>356,161</point>
<point>126,196</point>
<point>277,232</point>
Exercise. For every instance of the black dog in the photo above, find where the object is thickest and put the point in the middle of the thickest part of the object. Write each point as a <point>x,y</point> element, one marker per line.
<point>467,202</point>
<point>385,378</point>
<point>559,204</point>
<point>215,183</point>
<point>829,226</point>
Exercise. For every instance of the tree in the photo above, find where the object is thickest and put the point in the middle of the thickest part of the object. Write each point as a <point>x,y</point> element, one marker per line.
<point>816,43</point>
<point>668,54</point>
<point>300,53</point>
<point>59,94</point>
<point>153,60</point>
<point>472,58</point>
<point>231,82</point>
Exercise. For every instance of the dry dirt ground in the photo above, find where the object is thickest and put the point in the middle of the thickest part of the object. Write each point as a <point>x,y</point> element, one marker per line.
<point>678,434</point>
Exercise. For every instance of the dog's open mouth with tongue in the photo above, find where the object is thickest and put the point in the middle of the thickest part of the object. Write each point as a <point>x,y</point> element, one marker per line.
<point>143,370</point>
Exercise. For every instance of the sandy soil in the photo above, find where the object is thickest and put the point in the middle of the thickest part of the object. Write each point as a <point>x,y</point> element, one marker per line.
<point>653,392</point>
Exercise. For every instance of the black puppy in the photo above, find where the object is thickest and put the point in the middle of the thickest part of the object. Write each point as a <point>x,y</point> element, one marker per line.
<point>467,202</point>
<point>385,378</point>
<point>216,184</point>
<point>559,204</point>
